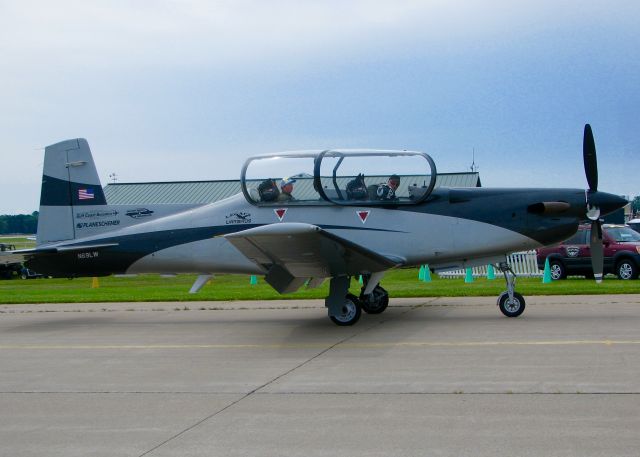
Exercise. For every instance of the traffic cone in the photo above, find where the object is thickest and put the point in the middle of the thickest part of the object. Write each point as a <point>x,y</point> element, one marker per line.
<point>469,276</point>
<point>94,283</point>
<point>253,280</point>
<point>546,276</point>
<point>491,274</point>
<point>421,273</point>
<point>427,274</point>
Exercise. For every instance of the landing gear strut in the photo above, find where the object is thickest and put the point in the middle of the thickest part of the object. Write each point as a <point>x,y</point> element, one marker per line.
<point>510,302</point>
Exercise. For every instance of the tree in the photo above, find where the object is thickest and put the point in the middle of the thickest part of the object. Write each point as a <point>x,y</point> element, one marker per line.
<point>19,223</point>
<point>635,205</point>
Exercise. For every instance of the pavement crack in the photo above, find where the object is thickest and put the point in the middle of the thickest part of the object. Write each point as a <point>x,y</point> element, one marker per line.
<point>254,391</point>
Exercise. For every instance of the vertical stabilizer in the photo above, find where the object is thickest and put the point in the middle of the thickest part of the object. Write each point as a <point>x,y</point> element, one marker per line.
<point>69,179</point>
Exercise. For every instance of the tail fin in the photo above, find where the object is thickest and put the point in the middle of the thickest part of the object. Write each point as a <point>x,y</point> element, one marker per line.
<point>69,179</point>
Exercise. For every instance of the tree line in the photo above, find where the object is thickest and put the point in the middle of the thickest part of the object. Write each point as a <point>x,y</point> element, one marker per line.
<point>18,223</point>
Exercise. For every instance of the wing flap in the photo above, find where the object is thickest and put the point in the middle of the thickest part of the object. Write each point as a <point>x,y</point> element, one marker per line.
<point>306,250</point>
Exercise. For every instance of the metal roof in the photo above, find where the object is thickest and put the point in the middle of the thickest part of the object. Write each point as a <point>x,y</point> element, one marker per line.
<point>202,192</point>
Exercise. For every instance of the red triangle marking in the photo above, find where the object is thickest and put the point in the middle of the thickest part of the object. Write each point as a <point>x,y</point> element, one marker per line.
<point>280,212</point>
<point>363,215</point>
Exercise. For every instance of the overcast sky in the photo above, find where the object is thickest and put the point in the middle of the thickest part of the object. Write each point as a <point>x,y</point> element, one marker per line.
<point>168,90</point>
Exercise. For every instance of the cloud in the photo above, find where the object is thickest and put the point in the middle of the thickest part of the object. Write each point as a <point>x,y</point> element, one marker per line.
<point>198,32</point>
<point>149,82</point>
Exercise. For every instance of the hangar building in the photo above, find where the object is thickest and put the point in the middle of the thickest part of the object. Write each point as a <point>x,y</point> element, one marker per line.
<point>203,192</point>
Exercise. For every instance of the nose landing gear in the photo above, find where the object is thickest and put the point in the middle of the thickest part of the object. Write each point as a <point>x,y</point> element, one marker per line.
<point>510,302</point>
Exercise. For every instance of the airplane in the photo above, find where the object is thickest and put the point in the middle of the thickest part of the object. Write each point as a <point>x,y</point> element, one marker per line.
<point>338,223</point>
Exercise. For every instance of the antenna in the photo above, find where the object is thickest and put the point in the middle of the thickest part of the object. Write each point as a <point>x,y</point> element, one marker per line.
<point>473,166</point>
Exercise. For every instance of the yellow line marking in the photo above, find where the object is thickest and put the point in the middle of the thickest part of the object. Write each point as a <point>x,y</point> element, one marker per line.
<point>408,344</point>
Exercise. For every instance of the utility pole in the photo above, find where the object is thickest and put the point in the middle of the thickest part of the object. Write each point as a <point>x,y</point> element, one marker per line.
<point>473,166</point>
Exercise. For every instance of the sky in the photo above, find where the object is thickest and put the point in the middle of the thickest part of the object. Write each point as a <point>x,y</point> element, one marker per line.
<point>188,90</point>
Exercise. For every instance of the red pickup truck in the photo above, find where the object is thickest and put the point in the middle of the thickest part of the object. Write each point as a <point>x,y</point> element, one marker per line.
<point>573,256</point>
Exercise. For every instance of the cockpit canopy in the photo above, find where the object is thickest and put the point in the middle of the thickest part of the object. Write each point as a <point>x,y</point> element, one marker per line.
<point>341,177</point>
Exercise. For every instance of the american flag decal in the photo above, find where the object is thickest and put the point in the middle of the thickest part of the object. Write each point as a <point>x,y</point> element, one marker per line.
<point>85,194</point>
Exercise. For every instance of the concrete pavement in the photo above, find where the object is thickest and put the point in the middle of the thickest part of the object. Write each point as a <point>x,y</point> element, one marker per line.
<point>430,376</point>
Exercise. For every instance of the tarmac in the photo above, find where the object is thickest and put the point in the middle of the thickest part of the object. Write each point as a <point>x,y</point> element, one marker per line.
<point>429,377</point>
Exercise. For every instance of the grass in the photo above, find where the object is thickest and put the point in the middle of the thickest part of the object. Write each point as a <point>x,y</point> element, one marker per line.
<point>20,242</point>
<point>401,283</point>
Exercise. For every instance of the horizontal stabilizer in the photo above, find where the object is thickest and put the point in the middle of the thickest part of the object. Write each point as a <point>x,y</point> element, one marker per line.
<point>22,255</point>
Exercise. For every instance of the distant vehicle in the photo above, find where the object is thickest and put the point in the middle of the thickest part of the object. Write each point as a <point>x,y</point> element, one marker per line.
<point>9,269</point>
<point>573,256</point>
<point>25,273</point>
<point>634,224</point>
<point>7,247</point>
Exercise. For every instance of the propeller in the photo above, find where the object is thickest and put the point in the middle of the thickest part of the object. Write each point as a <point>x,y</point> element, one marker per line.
<point>593,210</point>
<point>590,158</point>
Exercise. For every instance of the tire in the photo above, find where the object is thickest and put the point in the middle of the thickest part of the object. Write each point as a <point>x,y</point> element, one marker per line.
<point>351,312</point>
<point>513,309</point>
<point>376,302</point>
<point>24,276</point>
<point>626,269</point>
<point>558,270</point>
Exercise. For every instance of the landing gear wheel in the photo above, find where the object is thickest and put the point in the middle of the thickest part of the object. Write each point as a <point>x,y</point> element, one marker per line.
<point>376,302</point>
<point>511,308</point>
<point>558,271</point>
<point>626,269</point>
<point>350,312</point>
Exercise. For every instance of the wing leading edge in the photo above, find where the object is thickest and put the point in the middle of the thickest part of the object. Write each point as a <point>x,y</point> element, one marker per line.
<point>294,252</point>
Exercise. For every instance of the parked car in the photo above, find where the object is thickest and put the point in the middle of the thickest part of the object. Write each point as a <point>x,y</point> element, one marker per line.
<point>634,224</point>
<point>573,256</point>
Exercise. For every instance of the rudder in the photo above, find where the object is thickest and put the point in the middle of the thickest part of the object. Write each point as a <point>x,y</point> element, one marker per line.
<point>69,179</point>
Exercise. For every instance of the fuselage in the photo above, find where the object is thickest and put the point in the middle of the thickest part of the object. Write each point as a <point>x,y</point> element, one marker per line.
<point>452,228</point>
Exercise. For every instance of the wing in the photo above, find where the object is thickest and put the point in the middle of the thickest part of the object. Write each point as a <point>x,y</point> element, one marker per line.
<point>294,252</point>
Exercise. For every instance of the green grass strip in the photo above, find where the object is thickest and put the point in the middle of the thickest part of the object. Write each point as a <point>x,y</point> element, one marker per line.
<point>400,283</point>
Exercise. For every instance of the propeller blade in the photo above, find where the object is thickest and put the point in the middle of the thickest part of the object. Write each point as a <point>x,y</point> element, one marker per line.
<point>590,159</point>
<point>597,250</point>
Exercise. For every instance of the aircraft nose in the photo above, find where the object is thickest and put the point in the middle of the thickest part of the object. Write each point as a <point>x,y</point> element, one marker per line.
<point>606,202</point>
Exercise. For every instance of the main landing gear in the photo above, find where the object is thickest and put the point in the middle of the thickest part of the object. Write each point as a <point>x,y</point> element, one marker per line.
<point>345,308</point>
<point>510,302</point>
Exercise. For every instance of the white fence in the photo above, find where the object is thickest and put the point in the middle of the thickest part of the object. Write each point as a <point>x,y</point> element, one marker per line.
<point>522,263</point>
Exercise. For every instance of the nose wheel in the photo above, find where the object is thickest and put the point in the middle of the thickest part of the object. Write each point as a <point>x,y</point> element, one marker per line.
<point>510,302</point>
<point>511,307</point>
